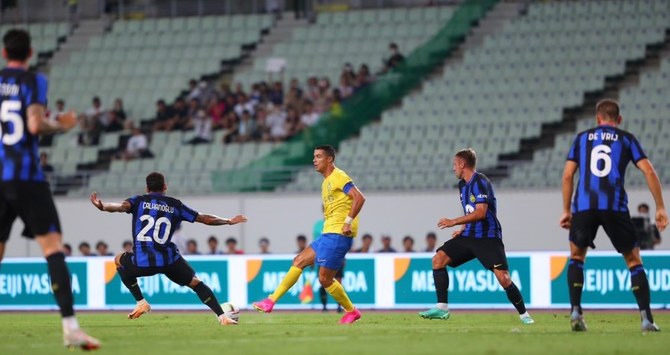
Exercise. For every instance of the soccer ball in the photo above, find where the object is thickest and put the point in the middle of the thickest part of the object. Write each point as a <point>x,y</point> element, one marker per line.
<point>231,311</point>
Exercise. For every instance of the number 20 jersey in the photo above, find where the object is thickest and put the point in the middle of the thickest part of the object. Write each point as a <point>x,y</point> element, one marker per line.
<point>19,151</point>
<point>155,219</point>
<point>602,154</point>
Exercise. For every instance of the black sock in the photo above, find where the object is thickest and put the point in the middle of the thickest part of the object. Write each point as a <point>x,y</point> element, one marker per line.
<point>576,283</point>
<point>441,279</point>
<point>323,294</point>
<point>131,284</point>
<point>514,296</point>
<point>207,297</point>
<point>640,285</point>
<point>60,283</point>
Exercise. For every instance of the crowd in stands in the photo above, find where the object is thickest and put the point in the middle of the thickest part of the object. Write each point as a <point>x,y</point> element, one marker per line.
<point>189,246</point>
<point>265,112</point>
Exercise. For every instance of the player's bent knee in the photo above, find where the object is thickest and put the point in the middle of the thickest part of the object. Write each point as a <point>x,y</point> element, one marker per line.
<point>194,282</point>
<point>325,281</point>
<point>503,278</point>
<point>440,260</point>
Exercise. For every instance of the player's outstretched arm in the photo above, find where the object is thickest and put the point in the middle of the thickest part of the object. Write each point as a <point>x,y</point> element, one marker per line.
<point>568,187</point>
<point>109,207</point>
<point>212,220</point>
<point>38,124</point>
<point>656,191</point>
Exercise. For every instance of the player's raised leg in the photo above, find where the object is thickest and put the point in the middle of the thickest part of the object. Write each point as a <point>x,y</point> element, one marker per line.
<point>513,293</point>
<point>441,280</point>
<point>61,286</point>
<point>302,260</point>
<point>124,267</point>
<point>640,287</point>
<point>575,286</point>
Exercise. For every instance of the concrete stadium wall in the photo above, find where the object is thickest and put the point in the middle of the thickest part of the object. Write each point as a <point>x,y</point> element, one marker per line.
<point>529,219</point>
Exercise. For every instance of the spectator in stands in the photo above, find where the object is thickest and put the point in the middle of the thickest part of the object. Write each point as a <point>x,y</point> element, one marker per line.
<point>276,94</point>
<point>180,111</point>
<point>366,241</point>
<point>648,235</point>
<point>92,121</point>
<point>246,128</point>
<point>294,99</point>
<point>258,91</point>
<point>102,249</point>
<point>192,247</point>
<point>73,12</point>
<point>137,146</point>
<point>231,102</point>
<point>394,59</point>
<point>231,123</point>
<point>164,120</point>
<point>262,128</point>
<point>67,249</point>
<point>312,88</point>
<point>85,249</point>
<point>264,245</point>
<point>213,245</point>
<point>216,109</point>
<point>231,244</point>
<point>408,244</point>
<point>276,122</point>
<point>115,123</point>
<point>363,77</point>
<point>202,127</point>
<point>336,103</point>
<point>301,243</point>
<point>127,246</point>
<point>309,117</point>
<point>386,245</point>
<point>323,99</point>
<point>348,70</point>
<point>346,86</point>
<point>243,104</point>
<point>119,110</point>
<point>292,121</point>
<point>295,85</point>
<point>431,241</point>
<point>59,110</point>
<point>239,91</point>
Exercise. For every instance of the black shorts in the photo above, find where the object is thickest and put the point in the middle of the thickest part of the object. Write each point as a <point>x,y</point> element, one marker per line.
<point>617,225</point>
<point>180,272</point>
<point>489,251</point>
<point>32,202</point>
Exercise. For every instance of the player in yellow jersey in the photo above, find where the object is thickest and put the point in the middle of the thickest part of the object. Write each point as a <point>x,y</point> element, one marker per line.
<point>342,201</point>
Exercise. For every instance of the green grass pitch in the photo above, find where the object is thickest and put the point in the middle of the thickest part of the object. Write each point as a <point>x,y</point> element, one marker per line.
<point>318,333</point>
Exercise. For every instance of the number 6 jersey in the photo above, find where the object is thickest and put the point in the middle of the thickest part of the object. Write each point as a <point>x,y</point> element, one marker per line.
<point>602,154</point>
<point>155,218</point>
<point>19,154</point>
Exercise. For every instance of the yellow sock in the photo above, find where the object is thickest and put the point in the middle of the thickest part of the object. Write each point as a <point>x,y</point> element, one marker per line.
<point>289,280</point>
<point>340,295</point>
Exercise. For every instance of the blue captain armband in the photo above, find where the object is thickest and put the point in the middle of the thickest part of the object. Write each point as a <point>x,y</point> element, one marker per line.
<point>348,186</point>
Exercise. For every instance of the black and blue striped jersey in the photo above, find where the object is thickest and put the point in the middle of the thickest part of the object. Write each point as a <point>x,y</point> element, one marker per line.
<point>19,151</point>
<point>155,218</point>
<point>480,190</point>
<point>602,155</point>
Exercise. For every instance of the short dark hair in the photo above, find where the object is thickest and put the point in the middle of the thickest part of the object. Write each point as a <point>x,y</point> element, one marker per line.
<point>192,241</point>
<point>301,238</point>
<point>393,45</point>
<point>264,240</point>
<point>328,149</point>
<point>127,242</point>
<point>407,238</point>
<point>431,235</point>
<point>96,99</point>
<point>84,244</point>
<point>231,240</point>
<point>60,101</point>
<point>608,108</point>
<point>155,182</point>
<point>67,246</point>
<point>101,243</point>
<point>17,44</point>
<point>643,205</point>
<point>469,156</point>
<point>212,239</point>
<point>367,236</point>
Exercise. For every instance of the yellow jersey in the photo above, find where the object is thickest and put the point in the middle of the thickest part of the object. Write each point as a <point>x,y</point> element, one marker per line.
<point>336,202</point>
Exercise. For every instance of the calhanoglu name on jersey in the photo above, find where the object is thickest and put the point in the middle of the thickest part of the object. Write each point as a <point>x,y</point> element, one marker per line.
<point>157,207</point>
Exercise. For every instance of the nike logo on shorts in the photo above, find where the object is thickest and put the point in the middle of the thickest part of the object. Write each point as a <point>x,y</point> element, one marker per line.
<point>320,260</point>
<point>497,265</point>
